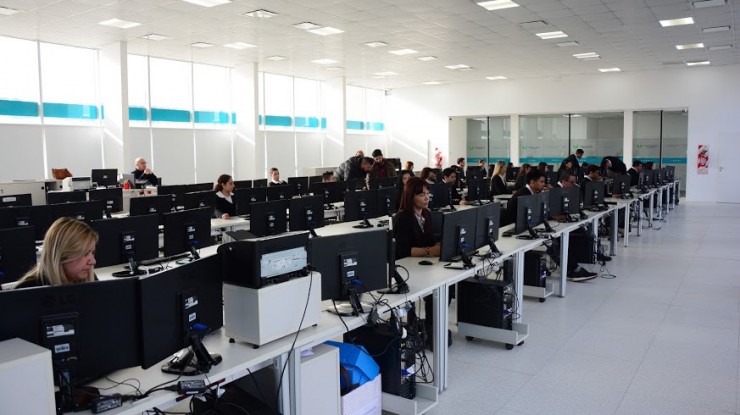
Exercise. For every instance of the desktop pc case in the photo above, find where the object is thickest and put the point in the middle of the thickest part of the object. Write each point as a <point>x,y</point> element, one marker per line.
<point>486,303</point>
<point>534,268</point>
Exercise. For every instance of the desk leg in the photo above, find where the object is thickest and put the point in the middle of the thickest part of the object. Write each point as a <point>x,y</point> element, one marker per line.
<point>627,224</point>
<point>284,401</point>
<point>294,367</point>
<point>519,284</point>
<point>441,318</point>
<point>651,208</point>
<point>614,232</point>
<point>564,241</point>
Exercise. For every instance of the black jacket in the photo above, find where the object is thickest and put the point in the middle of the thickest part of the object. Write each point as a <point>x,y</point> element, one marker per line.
<point>224,206</point>
<point>512,206</point>
<point>409,234</point>
<point>151,178</point>
<point>498,186</point>
<point>350,169</point>
<point>634,175</point>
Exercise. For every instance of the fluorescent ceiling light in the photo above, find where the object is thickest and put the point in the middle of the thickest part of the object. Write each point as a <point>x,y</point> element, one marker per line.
<point>708,3</point>
<point>121,24</point>
<point>427,58</point>
<point>324,61</point>
<point>586,55</point>
<point>260,14</point>
<point>697,63</point>
<point>239,45</point>
<point>495,78</point>
<point>690,46</point>
<point>677,22</point>
<point>7,11</point>
<point>720,47</point>
<point>326,30</point>
<point>567,44</point>
<point>401,52</point>
<point>610,70</point>
<point>375,44</point>
<point>458,66</point>
<point>715,29</point>
<point>386,73</point>
<point>154,36</point>
<point>334,68</point>
<point>208,3</point>
<point>306,26</point>
<point>201,45</point>
<point>551,35</point>
<point>431,83</point>
<point>276,58</point>
<point>497,4</point>
<point>379,77</point>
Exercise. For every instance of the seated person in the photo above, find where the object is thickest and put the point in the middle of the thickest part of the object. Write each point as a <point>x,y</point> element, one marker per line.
<point>428,175</point>
<point>382,168</point>
<point>328,177</point>
<point>275,177</point>
<point>521,177</point>
<point>144,174</point>
<point>634,172</point>
<point>409,166</point>
<point>498,179</point>
<point>68,256</point>
<point>449,177</point>
<point>224,188</point>
<point>535,184</point>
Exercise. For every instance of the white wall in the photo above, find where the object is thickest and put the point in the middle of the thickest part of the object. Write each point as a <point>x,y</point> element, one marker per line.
<point>22,152</point>
<point>418,115</point>
<point>77,148</point>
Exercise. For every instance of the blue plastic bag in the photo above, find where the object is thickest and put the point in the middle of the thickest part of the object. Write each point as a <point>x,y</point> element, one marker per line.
<point>358,364</point>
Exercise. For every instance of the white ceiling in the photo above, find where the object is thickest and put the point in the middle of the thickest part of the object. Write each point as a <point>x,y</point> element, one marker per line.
<point>625,33</point>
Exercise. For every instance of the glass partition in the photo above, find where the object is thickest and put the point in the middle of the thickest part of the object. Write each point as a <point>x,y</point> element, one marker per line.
<point>598,134</point>
<point>543,138</point>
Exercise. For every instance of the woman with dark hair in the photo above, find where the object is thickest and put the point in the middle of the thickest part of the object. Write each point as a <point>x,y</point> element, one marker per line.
<point>428,175</point>
<point>224,188</point>
<point>521,177</point>
<point>412,225</point>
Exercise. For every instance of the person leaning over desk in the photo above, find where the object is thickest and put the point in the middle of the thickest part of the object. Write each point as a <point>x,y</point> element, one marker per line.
<point>68,256</point>
<point>224,188</point>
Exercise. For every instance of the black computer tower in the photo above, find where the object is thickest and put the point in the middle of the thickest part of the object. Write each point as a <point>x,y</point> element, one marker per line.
<point>581,247</point>
<point>390,353</point>
<point>485,303</point>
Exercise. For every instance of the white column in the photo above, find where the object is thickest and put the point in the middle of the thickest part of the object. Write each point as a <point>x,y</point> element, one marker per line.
<point>457,139</point>
<point>114,97</point>
<point>629,123</point>
<point>248,155</point>
<point>335,99</point>
<point>514,140</point>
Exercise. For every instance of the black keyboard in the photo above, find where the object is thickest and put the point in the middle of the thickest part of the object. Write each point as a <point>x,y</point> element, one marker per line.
<point>161,259</point>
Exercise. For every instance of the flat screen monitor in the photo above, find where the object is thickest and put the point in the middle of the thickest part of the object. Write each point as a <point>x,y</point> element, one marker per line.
<point>396,163</point>
<point>53,198</point>
<point>564,201</point>
<point>551,178</point>
<point>383,183</point>
<point>360,205</point>
<point>439,195</point>
<point>113,198</point>
<point>149,205</point>
<point>593,195</point>
<point>176,191</point>
<point>300,184</point>
<point>528,213</point>
<point>92,328</point>
<point>242,184</point>
<point>476,190</point>
<point>84,211</point>
<point>641,179</point>
<point>188,230</point>
<point>17,252</point>
<point>104,177</point>
<point>659,176</point>
<point>15,200</point>
<point>621,184</point>
<point>670,173</point>
<point>543,202</point>
<point>173,301</point>
<point>488,218</point>
<point>314,179</point>
<point>198,187</point>
<point>259,183</point>
<point>37,216</point>
<point>332,192</point>
<point>245,197</point>
<point>306,213</point>
<point>268,218</point>
<point>556,201</point>
<point>458,234</point>
<point>281,192</point>
<point>474,173</point>
<point>386,201</point>
<point>351,185</point>
<point>511,173</point>
<point>121,238</point>
<point>649,180</point>
<point>344,258</point>
<point>200,199</point>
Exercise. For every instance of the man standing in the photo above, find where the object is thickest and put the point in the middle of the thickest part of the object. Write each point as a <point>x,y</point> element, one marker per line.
<point>575,160</point>
<point>382,168</point>
<point>634,172</point>
<point>144,174</point>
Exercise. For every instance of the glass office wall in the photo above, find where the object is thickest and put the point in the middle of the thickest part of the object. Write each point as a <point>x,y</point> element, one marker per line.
<point>543,138</point>
<point>477,140</point>
<point>662,137</point>
<point>488,138</point>
<point>598,134</point>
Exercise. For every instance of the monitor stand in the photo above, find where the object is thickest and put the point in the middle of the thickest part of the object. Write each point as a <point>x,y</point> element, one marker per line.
<point>192,361</point>
<point>364,225</point>
<point>352,306</point>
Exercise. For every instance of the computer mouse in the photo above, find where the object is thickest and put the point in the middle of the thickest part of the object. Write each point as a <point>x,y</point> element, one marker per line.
<point>425,262</point>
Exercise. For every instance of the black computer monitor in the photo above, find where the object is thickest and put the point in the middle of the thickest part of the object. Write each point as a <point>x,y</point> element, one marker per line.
<point>332,192</point>
<point>315,179</point>
<point>556,201</point>
<point>649,180</point>
<point>268,218</point>
<point>383,182</point>
<point>641,179</point>
<point>569,201</point>
<point>113,198</point>
<point>84,211</point>
<point>458,235</point>
<point>306,213</point>
<point>659,176</point>
<point>37,216</point>
<point>349,264</point>
<point>122,239</point>
<point>544,211</point>
<point>17,252</point>
<point>551,178</point>
<point>281,192</point>
<point>259,183</point>
<point>91,329</point>
<point>242,184</point>
<point>15,200</point>
<point>53,198</point>
<point>593,195</point>
<point>173,302</point>
<point>396,163</point>
<point>528,214</point>
<point>198,187</point>
<point>386,201</point>
<point>511,173</point>
<point>670,173</point>
<point>488,219</point>
<point>300,184</point>
<point>176,191</point>
<point>243,198</point>
<point>474,173</point>
<point>188,230</point>
<point>200,199</point>
<point>477,190</point>
<point>360,205</point>
<point>104,177</point>
<point>439,195</point>
<point>149,205</point>
<point>621,185</point>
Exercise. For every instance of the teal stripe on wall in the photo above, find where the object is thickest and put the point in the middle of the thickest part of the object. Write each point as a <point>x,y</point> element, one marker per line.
<point>355,125</point>
<point>473,161</point>
<point>323,123</point>
<point>161,114</point>
<point>233,118</point>
<point>19,108</point>
<point>646,159</point>
<point>278,121</point>
<point>674,160</point>
<point>75,111</point>
<point>307,122</point>
<point>211,117</point>
<point>375,126</point>
<point>137,114</point>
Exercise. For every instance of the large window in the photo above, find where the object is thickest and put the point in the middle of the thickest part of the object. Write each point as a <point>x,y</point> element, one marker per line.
<point>138,90</point>
<point>598,134</point>
<point>277,94</point>
<point>170,88</point>
<point>69,79</point>
<point>661,137</point>
<point>489,139</point>
<point>543,138</point>
<point>365,110</point>
<point>211,95</point>
<point>19,90</point>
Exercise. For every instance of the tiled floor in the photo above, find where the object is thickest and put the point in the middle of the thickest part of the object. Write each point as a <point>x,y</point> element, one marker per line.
<point>661,338</point>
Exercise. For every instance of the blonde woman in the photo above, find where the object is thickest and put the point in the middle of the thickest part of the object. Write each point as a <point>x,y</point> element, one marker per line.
<point>68,256</point>
<point>498,179</point>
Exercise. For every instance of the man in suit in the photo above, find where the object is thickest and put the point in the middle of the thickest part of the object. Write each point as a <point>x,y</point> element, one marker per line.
<point>535,184</point>
<point>566,180</point>
<point>575,161</point>
<point>634,172</point>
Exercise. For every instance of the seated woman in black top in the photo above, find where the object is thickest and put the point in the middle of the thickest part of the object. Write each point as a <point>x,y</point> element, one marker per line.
<point>68,256</point>
<point>224,188</point>
<point>412,225</point>
<point>498,179</point>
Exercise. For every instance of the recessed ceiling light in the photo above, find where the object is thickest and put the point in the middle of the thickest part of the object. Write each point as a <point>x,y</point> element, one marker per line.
<point>431,83</point>
<point>697,63</point>
<point>386,73</point>
<point>715,29</point>
<point>379,77</point>
<point>677,22</point>
<point>375,44</point>
<point>201,45</point>
<point>610,70</point>
<point>427,58</point>
<point>401,52</point>
<point>261,14</point>
<point>586,55</point>
<point>324,61</point>
<point>551,35</point>
<point>121,24</point>
<point>7,11</point>
<point>458,66</point>
<point>154,36</point>
<point>495,78</point>
<point>567,44</point>
<point>497,4</point>
<point>239,45</point>
<point>334,68</point>
<point>720,47</point>
<point>306,26</point>
<point>690,46</point>
<point>326,30</point>
<point>708,3</point>
<point>208,3</point>
<point>276,58</point>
